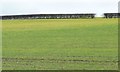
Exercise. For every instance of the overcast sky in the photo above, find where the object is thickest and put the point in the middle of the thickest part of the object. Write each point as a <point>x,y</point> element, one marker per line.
<point>57,6</point>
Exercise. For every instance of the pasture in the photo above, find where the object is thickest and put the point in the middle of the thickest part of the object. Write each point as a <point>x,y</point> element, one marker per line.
<point>60,44</point>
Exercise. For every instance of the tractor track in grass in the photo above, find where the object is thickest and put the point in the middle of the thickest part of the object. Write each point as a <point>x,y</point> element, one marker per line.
<point>55,60</point>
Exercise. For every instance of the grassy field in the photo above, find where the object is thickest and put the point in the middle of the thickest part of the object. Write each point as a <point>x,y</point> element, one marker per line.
<point>60,44</point>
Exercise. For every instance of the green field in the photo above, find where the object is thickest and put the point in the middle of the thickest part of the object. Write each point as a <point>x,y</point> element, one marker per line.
<point>60,44</point>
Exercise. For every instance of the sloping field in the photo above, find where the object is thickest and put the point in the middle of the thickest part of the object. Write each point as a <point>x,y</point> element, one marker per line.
<point>60,44</point>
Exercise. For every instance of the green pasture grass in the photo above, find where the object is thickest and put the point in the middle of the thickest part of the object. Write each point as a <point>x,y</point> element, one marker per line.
<point>60,44</point>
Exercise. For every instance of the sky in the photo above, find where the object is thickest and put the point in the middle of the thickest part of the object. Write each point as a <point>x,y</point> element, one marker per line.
<point>13,7</point>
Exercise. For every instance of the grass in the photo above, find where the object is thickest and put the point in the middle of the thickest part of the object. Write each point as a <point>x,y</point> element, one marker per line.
<point>60,44</point>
